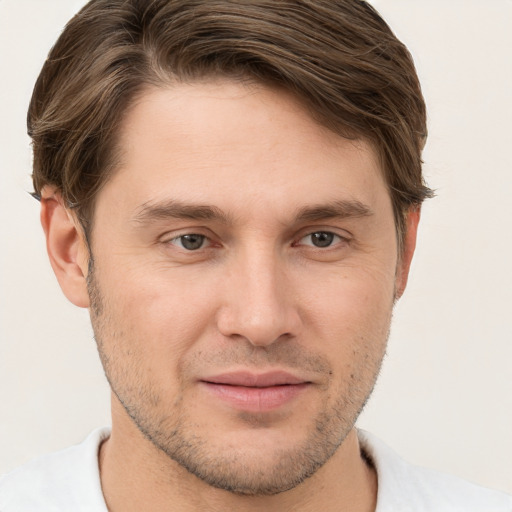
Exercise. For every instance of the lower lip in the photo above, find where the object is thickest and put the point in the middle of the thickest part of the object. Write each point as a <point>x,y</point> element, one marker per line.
<point>254,399</point>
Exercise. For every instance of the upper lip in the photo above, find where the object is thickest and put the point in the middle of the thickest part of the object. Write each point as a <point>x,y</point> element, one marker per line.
<point>257,380</point>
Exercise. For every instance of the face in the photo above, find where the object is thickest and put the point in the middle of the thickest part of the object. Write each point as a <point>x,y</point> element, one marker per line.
<point>245,268</point>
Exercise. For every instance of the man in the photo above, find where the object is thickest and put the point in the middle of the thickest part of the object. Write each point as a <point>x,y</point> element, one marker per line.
<point>233,190</point>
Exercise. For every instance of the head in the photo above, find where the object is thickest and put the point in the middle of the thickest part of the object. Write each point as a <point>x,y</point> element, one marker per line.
<point>203,166</point>
<point>339,59</point>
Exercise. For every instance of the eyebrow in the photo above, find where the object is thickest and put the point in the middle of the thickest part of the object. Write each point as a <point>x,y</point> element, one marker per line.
<point>341,209</point>
<point>173,209</point>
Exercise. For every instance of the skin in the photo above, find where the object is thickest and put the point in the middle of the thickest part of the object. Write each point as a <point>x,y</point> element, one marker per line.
<point>256,294</point>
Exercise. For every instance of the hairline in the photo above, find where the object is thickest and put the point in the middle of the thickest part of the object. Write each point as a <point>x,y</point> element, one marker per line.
<point>165,80</point>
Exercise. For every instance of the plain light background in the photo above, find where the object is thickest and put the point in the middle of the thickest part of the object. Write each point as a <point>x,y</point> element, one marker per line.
<point>444,398</point>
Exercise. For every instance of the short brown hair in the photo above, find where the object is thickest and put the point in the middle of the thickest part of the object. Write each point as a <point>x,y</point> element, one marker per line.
<point>338,57</point>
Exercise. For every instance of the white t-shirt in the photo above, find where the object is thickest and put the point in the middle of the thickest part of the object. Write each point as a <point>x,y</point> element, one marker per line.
<point>69,481</point>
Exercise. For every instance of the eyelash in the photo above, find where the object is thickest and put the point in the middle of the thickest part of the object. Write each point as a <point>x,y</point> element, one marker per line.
<point>330,235</point>
<point>174,241</point>
<point>332,239</point>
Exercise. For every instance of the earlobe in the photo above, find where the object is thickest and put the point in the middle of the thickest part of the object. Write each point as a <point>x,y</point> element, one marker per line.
<point>66,247</point>
<point>409,245</point>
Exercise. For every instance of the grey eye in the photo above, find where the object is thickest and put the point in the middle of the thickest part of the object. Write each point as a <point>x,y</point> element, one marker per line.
<point>190,242</point>
<point>322,238</point>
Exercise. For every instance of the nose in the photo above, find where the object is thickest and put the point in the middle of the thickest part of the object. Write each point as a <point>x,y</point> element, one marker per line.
<point>259,303</point>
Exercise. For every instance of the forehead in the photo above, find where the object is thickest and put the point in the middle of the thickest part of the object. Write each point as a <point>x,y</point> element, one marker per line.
<point>234,145</point>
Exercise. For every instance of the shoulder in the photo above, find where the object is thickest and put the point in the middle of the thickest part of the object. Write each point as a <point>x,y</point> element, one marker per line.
<point>404,487</point>
<point>60,481</point>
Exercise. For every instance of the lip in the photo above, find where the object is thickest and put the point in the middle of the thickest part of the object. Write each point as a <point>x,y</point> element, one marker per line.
<point>256,380</point>
<point>255,392</point>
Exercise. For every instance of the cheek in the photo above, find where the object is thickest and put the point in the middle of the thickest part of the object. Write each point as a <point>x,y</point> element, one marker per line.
<point>351,291</point>
<point>351,332</point>
<point>146,331</point>
<point>161,313</point>
<point>350,312</point>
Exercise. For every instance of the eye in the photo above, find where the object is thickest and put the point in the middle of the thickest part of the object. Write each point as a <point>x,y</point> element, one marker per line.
<point>190,242</point>
<point>320,239</point>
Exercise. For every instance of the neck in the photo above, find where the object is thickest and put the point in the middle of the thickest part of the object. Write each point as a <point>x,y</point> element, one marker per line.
<point>135,475</point>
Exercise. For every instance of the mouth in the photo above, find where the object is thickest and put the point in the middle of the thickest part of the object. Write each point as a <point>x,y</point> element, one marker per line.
<point>253,392</point>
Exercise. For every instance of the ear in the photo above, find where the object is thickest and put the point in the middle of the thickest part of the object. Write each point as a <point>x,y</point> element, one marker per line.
<point>409,245</point>
<point>66,247</point>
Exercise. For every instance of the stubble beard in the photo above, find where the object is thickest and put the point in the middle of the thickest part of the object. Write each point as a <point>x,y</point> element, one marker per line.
<point>174,434</point>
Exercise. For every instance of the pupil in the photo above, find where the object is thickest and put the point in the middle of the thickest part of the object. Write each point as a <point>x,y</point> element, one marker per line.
<point>192,242</point>
<point>322,239</point>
